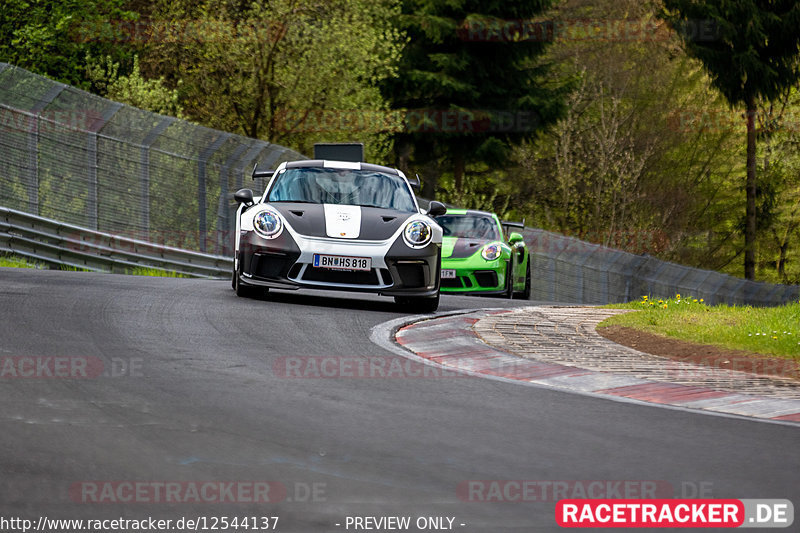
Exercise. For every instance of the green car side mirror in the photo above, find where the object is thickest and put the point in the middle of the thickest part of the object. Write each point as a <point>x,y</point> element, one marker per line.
<point>514,238</point>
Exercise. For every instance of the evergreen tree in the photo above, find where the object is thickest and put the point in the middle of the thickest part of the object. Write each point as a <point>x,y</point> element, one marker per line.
<point>751,52</point>
<point>471,81</point>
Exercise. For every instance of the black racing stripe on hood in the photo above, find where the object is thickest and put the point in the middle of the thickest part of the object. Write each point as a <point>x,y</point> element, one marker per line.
<point>379,224</point>
<point>305,219</point>
<point>466,247</point>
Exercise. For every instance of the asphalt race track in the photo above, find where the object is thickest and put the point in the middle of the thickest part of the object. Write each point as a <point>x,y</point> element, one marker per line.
<point>191,393</point>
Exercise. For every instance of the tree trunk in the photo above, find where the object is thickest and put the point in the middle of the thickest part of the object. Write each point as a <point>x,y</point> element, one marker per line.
<point>750,215</point>
<point>458,168</point>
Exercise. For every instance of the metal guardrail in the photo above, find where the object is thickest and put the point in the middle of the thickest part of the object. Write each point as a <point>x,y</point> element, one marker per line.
<point>569,270</point>
<point>59,243</point>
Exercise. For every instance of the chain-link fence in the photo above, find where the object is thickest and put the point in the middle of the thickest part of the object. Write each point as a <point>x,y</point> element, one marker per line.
<point>71,156</point>
<point>565,269</point>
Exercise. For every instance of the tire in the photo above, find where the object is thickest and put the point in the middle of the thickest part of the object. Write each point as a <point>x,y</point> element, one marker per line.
<point>246,291</point>
<point>525,294</point>
<point>509,292</point>
<point>418,305</point>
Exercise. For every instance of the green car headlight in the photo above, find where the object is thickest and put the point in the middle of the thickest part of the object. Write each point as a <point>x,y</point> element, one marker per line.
<point>417,233</point>
<point>491,252</point>
<point>268,224</point>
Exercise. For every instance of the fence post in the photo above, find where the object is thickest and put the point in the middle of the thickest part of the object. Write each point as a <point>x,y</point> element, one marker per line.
<point>205,155</point>
<point>33,147</point>
<point>144,172</point>
<point>223,214</point>
<point>91,162</point>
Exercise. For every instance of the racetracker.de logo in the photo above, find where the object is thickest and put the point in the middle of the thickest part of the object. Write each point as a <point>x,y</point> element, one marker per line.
<point>37,367</point>
<point>532,490</point>
<point>371,367</point>
<point>177,492</point>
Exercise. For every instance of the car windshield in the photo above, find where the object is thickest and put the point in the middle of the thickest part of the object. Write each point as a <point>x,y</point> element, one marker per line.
<point>342,186</point>
<point>469,227</point>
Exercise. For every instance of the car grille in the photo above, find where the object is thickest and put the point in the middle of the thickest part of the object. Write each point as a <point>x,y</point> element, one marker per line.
<point>486,278</point>
<point>271,265</point>
<point>453,283</point>
<point>357,277</point>
<point>411,274</point>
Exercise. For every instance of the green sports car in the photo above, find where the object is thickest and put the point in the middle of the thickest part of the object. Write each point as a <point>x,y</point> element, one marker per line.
<point>479,258</point>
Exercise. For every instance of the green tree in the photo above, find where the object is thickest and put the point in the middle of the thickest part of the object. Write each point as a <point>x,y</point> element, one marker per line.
<point>644,156</point>
<point>754,54</point>
<point>52,37</point>
<point>293,72</point>
<point>133,89</point>
<point>473,70</point>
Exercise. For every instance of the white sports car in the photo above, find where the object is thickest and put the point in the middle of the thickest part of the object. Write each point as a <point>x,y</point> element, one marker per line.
<point>342,225</point>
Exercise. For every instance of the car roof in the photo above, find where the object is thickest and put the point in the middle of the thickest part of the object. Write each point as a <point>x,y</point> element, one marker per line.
<point>327,163</point>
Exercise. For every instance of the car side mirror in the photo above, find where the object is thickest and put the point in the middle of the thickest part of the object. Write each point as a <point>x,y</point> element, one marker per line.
<point>244,196</point>
<point>515,238</point>
<point>436,209</point>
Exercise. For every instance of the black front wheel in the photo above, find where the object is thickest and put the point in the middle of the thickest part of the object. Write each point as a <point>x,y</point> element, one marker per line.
<point>525,294</point>
<point>509,292</point>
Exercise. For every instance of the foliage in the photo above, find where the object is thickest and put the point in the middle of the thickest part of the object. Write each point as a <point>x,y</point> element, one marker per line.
<point>279,70</point>
<point>754,53</point>
<point>133,89</point>
<point>635,159</point>
<point>456,62</point>
<point>50,37</point>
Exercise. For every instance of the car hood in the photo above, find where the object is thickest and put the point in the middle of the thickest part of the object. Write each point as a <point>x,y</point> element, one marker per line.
<point>461,247</point>
<point>342,221</point>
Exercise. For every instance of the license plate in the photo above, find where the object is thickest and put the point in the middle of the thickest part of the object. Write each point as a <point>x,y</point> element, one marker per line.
<point>448,274</point>
<point>342,262</point>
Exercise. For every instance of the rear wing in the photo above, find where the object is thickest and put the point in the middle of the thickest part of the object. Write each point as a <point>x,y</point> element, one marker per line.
<point>508,227</point>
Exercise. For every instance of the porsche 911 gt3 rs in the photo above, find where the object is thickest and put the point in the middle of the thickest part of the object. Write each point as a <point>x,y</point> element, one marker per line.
<point>479,258</point>
<point>340,225</point>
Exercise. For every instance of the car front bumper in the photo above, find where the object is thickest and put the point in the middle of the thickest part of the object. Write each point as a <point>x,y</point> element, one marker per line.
<point>488,278</point>
<point>284,263</point>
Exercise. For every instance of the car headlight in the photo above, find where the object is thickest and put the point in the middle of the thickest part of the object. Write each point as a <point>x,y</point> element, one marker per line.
<point>417,233</point>
<point>267,224</point>
<point>491,252</point>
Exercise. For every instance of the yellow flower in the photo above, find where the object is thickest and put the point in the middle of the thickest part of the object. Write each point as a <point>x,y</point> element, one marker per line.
<point>678,296</point>
<point>701,300</point>
<point>665,306</point>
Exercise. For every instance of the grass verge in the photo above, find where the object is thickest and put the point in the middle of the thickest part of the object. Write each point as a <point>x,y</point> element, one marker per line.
<point>13,261</point>
<point>773,331</point>
<point>16,262</point>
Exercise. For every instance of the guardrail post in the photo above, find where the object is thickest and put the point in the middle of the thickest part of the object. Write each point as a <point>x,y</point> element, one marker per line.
<point>205,155</point>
